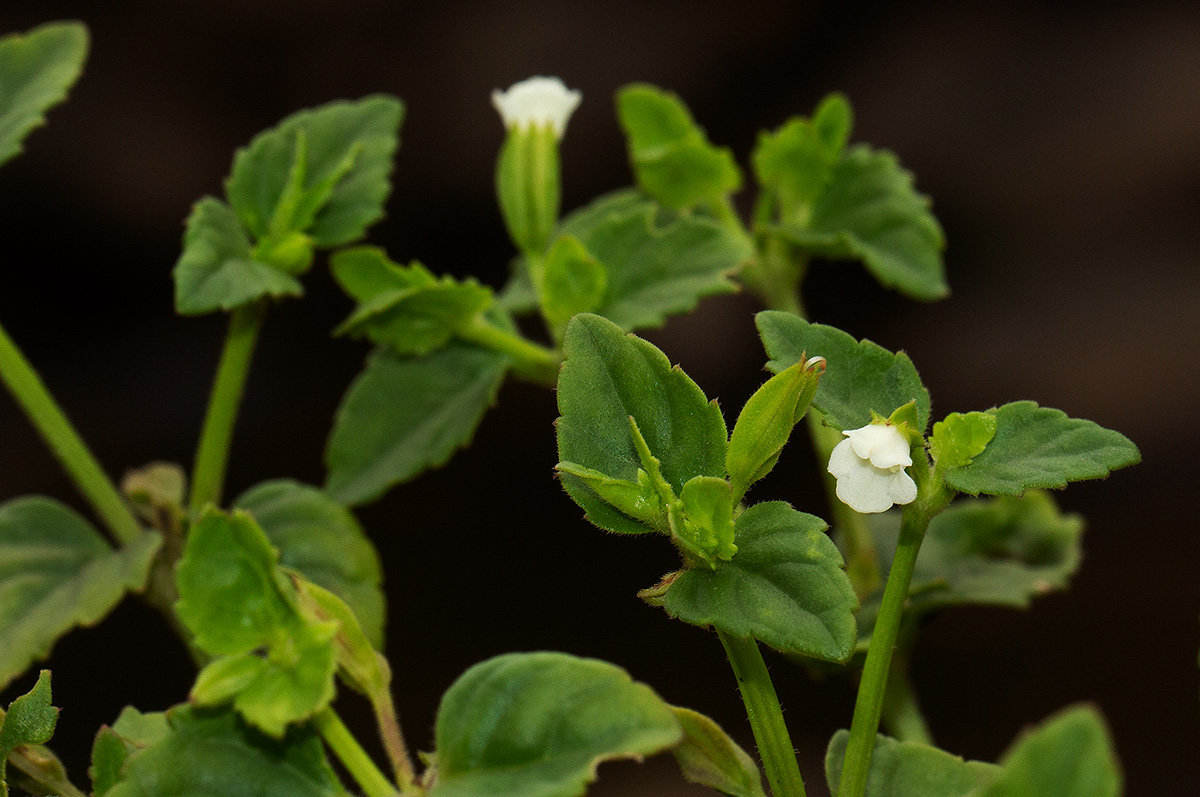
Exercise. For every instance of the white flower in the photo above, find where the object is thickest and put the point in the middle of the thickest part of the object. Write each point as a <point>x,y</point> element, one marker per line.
<point>869,468</point>
<point>538,100</point>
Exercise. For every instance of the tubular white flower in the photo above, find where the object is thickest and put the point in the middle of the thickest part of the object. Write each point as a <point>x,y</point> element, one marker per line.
<point>869,467</point>
<point>538,100</point>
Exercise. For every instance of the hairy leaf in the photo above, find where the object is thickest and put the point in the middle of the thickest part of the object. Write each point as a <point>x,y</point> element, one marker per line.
<point>36,70</point>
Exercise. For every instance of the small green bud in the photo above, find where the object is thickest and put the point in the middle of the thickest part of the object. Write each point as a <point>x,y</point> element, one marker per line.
<point>291,253</point>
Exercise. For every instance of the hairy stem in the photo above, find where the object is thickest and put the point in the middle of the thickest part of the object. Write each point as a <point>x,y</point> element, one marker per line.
<point>533,362</point>
<point>765,715</point>
<point>393,742</point>
<point>347,749</point>
<point>30,392</point>
<point>212,454</point>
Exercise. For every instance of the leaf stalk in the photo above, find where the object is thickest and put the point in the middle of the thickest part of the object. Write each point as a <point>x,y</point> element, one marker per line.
<point>347,749</point>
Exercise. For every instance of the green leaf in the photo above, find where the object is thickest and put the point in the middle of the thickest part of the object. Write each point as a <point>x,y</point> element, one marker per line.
<point>669,153</point>
<point>909,769</point>
<point>1068,755</point>
<point>36,70</point>
<point>57,572</point>
<point>796,161</point>
<point>658,262</point>
<point>214,752</point>
<point>569,281</point>
<point>708,517</point>
<point>766,423</point>
<point>141,729</point>
<point>860,377</point>
<point>30,720</point>
<point>323,171</point>
<point>784,587</point>
<point>109,754</point>
<point>322,540</point>
<point>869,211</point>
<point>959,438</point>
<point>1041,447</point>
<point>216,270</point>
<point>405,308</point>
<point>609,377</point>
<point>709,757</point>
<point>538,724</point>
<point>403,415</point>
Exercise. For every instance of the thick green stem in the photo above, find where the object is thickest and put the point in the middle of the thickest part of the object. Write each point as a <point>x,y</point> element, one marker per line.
<point>347,749</point>
<point>534,362</point>
<point>212,454</point>
<point>766,717</point>
<point>29,391</point>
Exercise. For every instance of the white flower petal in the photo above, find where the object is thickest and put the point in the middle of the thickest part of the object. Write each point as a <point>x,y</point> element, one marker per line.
<point>864,491</point>
<point>843,460</point>
<point>538,100</point>
<point>863,483</point>
<point>902,488</point>
<point>882,444</point>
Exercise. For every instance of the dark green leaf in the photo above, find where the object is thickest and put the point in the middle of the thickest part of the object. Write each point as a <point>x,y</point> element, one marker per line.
<point>657,262</point>
<point>404,415</point>
<point>216,270</point>
<point>323,541</point>
<point>670,155</point>
<point>57,572</point>
<point>36,70</point>
<point>908,769</point>
<point>709,757</point>
<point>1041,447</point>
<point>214,753</point>
<point>540,723</point>
<point>785,586</point>
<point>860,377</point>
<point>1068,755</point>
<point>869,211</point>
<point>324,171</point>
<point>609,376</point>
<point>570,281</point>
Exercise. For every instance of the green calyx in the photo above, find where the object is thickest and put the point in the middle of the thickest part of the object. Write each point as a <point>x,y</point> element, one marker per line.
<point>527,185</point>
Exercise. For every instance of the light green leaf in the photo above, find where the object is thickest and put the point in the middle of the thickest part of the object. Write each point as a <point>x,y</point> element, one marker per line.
<point>959,438</point>
<point>709,757</point>
<point>1068,755</point>
<point>322,540</point>
<point>669,153</point>
<point>658,262</point>
<point>323,171</point>
<point>1041,447</point>
<point>860,377</point>
<point>796,161</point>
<point>538,724</point>
<point>36,70</point>
<point>707,518</point>
<point>214,753</point>
<point>405,308</point>
<point>403,415</point>
<point>785,586</point>
<point>639,501</point>
<point>608,377</point>
<point>216,270</point>
<point>869,211</point>
<point>57,572</point>
<point>569,281</point>
<point>30,721</point>
<point>141,729</point>
<point>908,769</point>
<point>108,759</point>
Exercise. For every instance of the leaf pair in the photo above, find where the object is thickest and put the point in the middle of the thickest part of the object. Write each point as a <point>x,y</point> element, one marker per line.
<point>642,449</point>
<point>317,180</point>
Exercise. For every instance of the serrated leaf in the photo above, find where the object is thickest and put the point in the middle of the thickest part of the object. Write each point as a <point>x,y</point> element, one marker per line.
<point>669,153</point>
<point>403,415</point>
<point>658,262</point>
<point>1041,447</point>
<point>607,378</point>
<point>538,724</point>
<point>30,720</point>
<point>869,211</point>
<point>569,281</point>
<point>216,270</point>
<point>796,162</point>
<point>785,586</point>
<point>909,769</point>
<point>218,753</point>
<point>322,540</point>
<point>709,757</point>
<point>959,438</point>
<point>352,141</point>
<point>860,377</point>
<point>57,572</point>
<point>36,70</point>
<point>1068,755</point>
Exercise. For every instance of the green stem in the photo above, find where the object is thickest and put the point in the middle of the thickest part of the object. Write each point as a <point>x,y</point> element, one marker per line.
<point>212,454</point>
<point>534,362</point>
<point>30,761</point>
<point>30,392</point>
<point>766,717</point>
<point>347,749</point>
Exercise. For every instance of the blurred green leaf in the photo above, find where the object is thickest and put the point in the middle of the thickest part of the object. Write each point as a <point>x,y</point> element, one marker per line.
<point>1068,755</point>
<point>796,162</point>
<point>909,769</point>
<point>709,757</point>
<point>569,281</point>
<point>36,70</point>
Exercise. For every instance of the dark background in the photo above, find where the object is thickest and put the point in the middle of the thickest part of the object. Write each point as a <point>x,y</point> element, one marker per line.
<point>1063,155</point>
